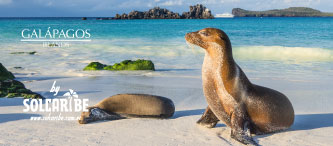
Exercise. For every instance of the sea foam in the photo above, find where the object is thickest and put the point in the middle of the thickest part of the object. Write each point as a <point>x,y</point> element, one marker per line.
<point>280,53</point>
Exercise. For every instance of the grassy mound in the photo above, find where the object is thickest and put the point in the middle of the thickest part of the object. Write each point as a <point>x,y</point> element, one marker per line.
<point>124,65</point>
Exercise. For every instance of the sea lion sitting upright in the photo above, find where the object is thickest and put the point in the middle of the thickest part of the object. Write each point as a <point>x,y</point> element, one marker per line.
<point>231,97</point>
<point>129,105</point>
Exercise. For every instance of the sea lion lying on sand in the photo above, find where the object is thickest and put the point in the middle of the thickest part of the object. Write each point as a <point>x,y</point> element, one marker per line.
<point>231,97</point>
<point>129,105</point>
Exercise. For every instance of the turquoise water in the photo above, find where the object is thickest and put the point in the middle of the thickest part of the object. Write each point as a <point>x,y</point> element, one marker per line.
<point>301,45</point>
<point>292,32</point>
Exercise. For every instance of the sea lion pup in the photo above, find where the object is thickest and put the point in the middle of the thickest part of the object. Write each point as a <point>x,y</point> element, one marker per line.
<point>129,105</point>
<point>231,97</point>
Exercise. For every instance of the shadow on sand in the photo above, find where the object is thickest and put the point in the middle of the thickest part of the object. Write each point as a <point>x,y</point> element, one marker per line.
<point>11,102</point>
<point>308,122</point>
<point>312,121</point>
<point>15,117</point>
<point>186,113</point>
<point>302,122</point>
<point>61,93</point>
<point>18,101</point>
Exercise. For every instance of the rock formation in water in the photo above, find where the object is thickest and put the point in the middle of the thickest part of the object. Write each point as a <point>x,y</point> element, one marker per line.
<point>196,12</point>
<point>289,12</point>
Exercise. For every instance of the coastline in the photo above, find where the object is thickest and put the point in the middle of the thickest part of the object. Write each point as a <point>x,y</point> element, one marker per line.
<point>284,59</point>
<point>313,123</point>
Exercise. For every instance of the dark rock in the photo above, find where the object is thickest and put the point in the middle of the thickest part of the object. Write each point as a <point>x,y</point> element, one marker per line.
<point>196,12</point>
<point>5,74</point>
<point>30,53</point>
<point>12,88</point>
<point>84,18</point>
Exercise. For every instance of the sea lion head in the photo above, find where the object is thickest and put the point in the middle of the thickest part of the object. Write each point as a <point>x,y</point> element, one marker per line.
<point>93,114</point>
<point>209,38</point>
<point>84,116</point>
<point>87,117</point>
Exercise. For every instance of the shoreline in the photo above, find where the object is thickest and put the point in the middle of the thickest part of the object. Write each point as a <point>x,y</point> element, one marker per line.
<point>313,123</point>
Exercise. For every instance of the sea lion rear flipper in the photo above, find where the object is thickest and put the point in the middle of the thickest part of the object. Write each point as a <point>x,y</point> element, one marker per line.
<point>241,126</point>
<point>208,119</point>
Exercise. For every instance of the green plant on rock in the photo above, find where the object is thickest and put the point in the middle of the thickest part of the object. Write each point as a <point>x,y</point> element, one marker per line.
<point>139,64</point>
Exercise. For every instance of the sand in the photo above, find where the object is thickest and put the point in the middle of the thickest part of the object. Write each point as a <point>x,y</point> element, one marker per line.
<point>311,99</point>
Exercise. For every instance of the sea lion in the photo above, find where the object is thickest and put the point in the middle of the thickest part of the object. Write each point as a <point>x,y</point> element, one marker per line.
<point>231,97</point>
<point>122,106</point>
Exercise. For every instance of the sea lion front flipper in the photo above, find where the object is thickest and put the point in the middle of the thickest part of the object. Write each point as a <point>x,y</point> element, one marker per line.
<point>208,119</point>
<point>240,123</point>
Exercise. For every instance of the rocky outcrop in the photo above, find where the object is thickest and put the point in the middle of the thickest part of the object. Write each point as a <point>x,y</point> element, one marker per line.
<point>5,74</point>
<point>289,12</point>
<point>196,12</point>
<point>30,53</point>
<point>12,88</point>
<point>124,65</point>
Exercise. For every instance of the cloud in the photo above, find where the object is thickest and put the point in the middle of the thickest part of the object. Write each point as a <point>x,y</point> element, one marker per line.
<point>300,1</point>
<point>172,3</point>
<point>108,8</point>
<point>5,2</point>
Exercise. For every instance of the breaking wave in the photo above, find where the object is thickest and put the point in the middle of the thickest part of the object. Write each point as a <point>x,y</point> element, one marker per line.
<point>280,53</point>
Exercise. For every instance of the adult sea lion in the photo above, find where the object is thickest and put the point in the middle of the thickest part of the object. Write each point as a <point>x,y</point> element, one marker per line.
<point>231,97</point>
<point>129,105</point>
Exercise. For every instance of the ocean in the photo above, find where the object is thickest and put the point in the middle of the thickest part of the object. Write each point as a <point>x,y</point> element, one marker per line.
<point>293,48</point>
<point>291,55</point>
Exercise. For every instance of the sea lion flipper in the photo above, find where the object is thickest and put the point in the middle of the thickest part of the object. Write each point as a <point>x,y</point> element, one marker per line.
<point>208,119</point>
<point>241,126</point>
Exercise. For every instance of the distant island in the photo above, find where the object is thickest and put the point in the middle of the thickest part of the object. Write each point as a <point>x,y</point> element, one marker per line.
<point>196,12</point>
<point>289,12</point>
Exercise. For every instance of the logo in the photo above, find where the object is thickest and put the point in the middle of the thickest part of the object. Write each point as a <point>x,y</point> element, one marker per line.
<point>53,37</point>
<point>71,103</point>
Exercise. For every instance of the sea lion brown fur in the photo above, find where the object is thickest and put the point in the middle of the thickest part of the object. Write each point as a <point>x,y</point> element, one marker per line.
<point>129,105</point>
<point>231,97</point>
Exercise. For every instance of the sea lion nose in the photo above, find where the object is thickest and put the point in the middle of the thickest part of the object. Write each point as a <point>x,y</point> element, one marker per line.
<point>82,121</point>
<point>189,35</point>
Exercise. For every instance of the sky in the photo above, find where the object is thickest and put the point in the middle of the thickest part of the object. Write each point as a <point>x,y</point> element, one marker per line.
<point>108,8</point>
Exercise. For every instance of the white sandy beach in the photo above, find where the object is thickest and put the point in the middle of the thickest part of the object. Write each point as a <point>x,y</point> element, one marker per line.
<point>311,99</point>
<point>43,41</point>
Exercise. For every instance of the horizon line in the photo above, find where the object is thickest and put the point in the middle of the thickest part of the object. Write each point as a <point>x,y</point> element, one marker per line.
<point>55,40</point>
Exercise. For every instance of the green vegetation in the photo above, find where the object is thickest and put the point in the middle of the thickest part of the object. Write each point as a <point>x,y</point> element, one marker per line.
<point>124,65</point>
<point>5,74</point>
<point>12,88</point>
<point>289,12</point>
<point>94,66</point>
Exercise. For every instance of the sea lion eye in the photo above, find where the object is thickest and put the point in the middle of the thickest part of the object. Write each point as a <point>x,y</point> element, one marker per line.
<point>203,33</point>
